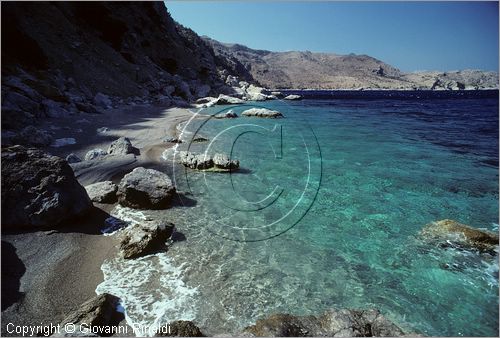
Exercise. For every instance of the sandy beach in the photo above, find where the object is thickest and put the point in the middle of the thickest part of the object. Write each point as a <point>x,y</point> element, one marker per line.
<point>56,271</point>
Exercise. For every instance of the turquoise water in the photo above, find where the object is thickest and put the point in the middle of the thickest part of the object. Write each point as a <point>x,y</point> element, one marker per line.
<point>326,213</point>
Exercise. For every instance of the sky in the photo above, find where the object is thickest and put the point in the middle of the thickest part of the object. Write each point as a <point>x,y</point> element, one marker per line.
<point>411,36</point>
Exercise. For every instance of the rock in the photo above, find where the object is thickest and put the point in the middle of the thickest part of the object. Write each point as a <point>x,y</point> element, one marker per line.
<point>195,161</point>
<point>449,232</point>
<point>98,311</point>
<point>33,136</point>
<point>122,146</point>
<point>102,101</point>
<point>86,107</point>
<point>258,97</point>
<point>19,101</point>
<point>169,139</point>
<point>72,158</point>
<point>145,189</point>
<point>277,94</point>
<point>262,112</point>
<point>202,90</point>
<point>226,99</point>
<point>199,139</point>
<point>182,328</point>
<point>293,97</point>
<point>102,192</point>
<point>333,323</point>
<point>39,190</point>
<point>143,239</point>
<point>232,80</point>
<point>54,109</point>
<point>222,161</point>
<point>169,90</point>
<point>94,154</point>
<point>227,115</point>
<point>206,99</point>
<point>102,130</point>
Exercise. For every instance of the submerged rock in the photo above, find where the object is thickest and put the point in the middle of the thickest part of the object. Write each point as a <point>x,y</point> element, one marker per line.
<point>227,115</point>
<point>293,97</point>
<point>39,190</point>
<point>94,154</point>
<point>122,146</point>
<point>262,112</point>
<point>333,323</point>
<point>102,192</point>
<point>145,189</point>
<point>143,239</point>
<point>222,161</point>
<point>182,328</point>
<point>449,231</point>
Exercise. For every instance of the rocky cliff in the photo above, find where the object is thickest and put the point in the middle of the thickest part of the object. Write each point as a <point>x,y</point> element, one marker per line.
<point>303,70</point>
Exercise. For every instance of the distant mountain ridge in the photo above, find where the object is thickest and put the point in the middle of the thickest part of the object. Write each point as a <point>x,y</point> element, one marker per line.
<point>308,70</point>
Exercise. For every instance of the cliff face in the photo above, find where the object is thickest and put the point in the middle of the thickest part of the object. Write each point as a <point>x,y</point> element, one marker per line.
<point>57,56</point>
<point>301,70</point>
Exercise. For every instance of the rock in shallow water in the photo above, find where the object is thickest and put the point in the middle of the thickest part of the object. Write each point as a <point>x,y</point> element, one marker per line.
<point>102,192</point>
<point>39,190</point>
<point>94,154</point>
<point>449,231</point>
<point>202,162</point>
<point>262,112</point>
<point>333,323</point>
<point>145,189</point>
<point>143,239</point>
<point>293,97</point>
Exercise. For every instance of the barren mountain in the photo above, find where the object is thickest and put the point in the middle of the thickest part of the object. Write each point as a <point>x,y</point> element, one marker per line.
<point>300,70</point>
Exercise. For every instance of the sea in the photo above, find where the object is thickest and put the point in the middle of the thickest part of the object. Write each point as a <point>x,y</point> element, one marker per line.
<point>325,212</point>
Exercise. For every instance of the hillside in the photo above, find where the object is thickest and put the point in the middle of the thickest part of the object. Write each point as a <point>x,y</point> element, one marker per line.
<point>301,70</point>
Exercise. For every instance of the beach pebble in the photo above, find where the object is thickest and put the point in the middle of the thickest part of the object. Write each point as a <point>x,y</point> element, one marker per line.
<point>102,192</point>
<point>145,189</point>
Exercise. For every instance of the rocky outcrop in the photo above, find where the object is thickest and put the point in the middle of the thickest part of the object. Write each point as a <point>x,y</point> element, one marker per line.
<point>122,146</point>
<point>102,192</point>
<point>182,328</point>
<point>217,162</point>
<point>225,99</point>
<point>449,232</point>
<point>142,239</point>
<point>145,189</point>
<point>262,112</point>
<point>73,158</point>
<point>333,323</point>
<point>32,136</point>
<point>39,190</point>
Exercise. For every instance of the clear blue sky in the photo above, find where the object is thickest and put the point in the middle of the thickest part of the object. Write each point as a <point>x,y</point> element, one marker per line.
<point>409,35</point>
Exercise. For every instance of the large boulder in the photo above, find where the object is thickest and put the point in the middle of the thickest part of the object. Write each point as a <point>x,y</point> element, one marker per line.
<point>449,232</point>
<point>333,323</point>
<point>39,190</point>
<point>145,189</point>
<point>122,146</point>
<point>99,311</point>
<point>102,192</point>
<point>262,112</point>
<point>181,328</point>
<point>143,239</point>
<point>195,161</point>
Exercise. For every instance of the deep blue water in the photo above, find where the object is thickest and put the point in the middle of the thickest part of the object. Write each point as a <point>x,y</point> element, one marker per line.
<point>326,212</point>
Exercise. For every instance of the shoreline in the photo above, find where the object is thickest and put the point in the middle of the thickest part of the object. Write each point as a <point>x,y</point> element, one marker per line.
<point>52,264</point>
